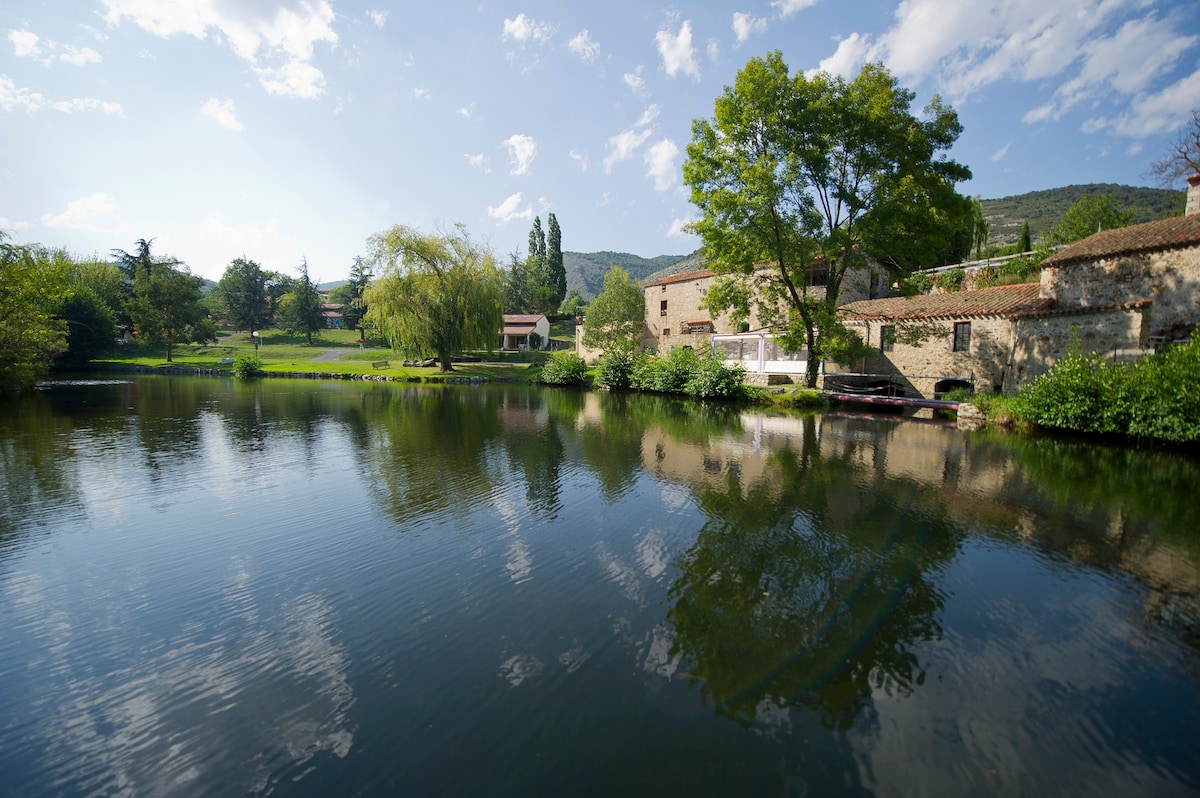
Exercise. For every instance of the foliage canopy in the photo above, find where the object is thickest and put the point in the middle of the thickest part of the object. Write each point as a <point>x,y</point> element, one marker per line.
<point>438,294</point>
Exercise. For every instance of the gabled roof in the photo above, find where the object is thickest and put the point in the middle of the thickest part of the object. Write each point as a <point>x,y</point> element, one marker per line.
<point>523,318</point>
<point>680,277</point>
<point>1176,233</point>
<point>1003,300</point>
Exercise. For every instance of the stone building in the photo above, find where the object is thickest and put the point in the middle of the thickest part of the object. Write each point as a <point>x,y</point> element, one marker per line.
<point>1120,292</point>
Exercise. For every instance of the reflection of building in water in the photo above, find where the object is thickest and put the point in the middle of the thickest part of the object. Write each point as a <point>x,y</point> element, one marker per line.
<point>975,483</point>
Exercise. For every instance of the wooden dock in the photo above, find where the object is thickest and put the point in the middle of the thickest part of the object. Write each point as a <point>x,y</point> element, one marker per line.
<point>890,401</point>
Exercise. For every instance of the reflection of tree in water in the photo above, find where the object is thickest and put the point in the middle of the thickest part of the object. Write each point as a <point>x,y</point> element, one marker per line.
<point>534,448</point>
<point>793,594</point>
<point>429,449</point>
<point>612,446</point>
<point>36,463</point>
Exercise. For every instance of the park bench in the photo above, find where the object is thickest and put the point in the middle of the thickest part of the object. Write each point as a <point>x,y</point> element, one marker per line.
<point>379,364</point>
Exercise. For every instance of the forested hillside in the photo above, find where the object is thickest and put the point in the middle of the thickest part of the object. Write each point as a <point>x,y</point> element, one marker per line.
<point>1043,209</point>
<point>585,270</point>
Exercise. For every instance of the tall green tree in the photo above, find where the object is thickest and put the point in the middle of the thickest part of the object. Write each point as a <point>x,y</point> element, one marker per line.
<point>555,270</point>
<point>141,259</point>
<point>617,316</point>
<point>165,307</point>
<point>243,296</point>
<point>795,176</point>
<point>1026,242</point>
<point>351,296</point>
<point>300,308</point>
<point>91,327</point>
<point>1088,215</point>
<point>438,294</point>
<point>32,288</point>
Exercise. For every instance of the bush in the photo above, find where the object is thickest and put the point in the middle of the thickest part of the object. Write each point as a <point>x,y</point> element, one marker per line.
<point>668,374</point>
<point>564,368</point>
<point>712,379</point>
<point>951,280</point>
<point>1162,398</point>
<point>1081,393</point>
<point>246,367</point>
<point>616,368</point>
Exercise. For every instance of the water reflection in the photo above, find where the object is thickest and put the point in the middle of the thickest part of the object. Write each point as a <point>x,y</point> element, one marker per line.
<point>210,587</point>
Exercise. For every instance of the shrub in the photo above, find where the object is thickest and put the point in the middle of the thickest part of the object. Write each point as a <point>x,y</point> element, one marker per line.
<point>1081,393</point>
<point>1162,398</point>
<point>951,280</point>
<point>564,368</point>
<point>616,368</point>
<point>668,374</point>
<point>246,367</point>
<point>712,379</point>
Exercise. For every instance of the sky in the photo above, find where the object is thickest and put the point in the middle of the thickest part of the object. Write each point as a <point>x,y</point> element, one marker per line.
<point>293,130</point>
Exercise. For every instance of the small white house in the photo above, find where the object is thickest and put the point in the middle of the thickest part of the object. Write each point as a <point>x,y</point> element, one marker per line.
<point>518,328</point>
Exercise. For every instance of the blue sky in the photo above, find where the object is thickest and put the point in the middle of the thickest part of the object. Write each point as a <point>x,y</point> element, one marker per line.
<point>289,129</point>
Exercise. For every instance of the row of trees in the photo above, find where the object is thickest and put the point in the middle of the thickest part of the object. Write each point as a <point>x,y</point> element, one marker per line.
<point>537,283</point>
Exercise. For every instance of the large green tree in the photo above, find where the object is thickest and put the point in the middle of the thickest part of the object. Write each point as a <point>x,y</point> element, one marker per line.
<point>555,270</point>
<point>32,288</point>
<point>165,307</point>
<point>798,176</point>
<point>300,308</point>
<point>438,294</point>
<point>1088,215</point>
<point>617,316</point>
<point>242,293</point>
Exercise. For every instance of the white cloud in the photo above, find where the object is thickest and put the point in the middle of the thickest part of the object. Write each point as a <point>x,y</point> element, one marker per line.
<point>522,150</point>
<point>584,46</point>
<point>25,43</point>
<point>713,50</point>
<point>622,146</point>
<point>1153,114</point>
<point>479,161</point>
<point>95,214</point>
<point>525,30</point>
<point>848,58</point>
<point>660,160</point>
<point>747,25</point>
<point>634,80</point>
<point>467,111</point>
<point>1000,153</point>
<point>80,56</point>
<point>378,18</point>
<point>510,209</point>
<point>789,7</point>
<point>223,112</point>
<point>678,54</point>
<point>9,224</point>
<point>279,45</point>
<point>88,104</point>
<point>676,230</point>
<point>580,158</point>
<point>422,94</point>
<point>13,97</point>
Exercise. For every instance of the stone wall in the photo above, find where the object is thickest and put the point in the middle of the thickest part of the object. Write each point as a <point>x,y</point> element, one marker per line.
<point>1043,340</point>
<point>1171,279</point>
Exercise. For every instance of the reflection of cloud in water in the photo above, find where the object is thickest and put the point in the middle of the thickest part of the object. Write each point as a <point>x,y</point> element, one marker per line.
<point>658,659</point>
<point>518,668</point>
<point>519,561</point>
<point>653,555</point>
<point>249,706</point>
<point>622,573</point>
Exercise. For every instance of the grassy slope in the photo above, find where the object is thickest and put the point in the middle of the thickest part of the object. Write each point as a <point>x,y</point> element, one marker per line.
<point>1043,209</point>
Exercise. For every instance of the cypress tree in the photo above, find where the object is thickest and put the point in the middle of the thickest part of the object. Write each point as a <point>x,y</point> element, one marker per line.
<point>554,260</point>
<point>1026,243</point>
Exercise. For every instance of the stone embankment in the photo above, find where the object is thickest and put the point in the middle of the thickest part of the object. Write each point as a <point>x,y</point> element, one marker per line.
<point>298,375</point>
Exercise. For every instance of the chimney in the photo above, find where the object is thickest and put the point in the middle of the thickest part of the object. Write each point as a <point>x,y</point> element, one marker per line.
<point>1193,195</point>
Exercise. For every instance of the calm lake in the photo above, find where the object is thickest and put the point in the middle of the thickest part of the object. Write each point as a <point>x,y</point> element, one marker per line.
<point>329,588</point>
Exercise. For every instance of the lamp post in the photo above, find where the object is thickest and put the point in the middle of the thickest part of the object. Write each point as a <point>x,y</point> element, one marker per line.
<point>257,339</point>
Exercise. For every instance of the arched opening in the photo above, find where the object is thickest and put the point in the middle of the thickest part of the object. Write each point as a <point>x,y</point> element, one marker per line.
<point>943,387</point>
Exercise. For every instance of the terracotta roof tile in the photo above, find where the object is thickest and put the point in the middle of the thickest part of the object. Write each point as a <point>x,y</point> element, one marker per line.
<point>522,318</point>
<point>680,277</point>
<point>1181,231</point>
<point>1002,300</point>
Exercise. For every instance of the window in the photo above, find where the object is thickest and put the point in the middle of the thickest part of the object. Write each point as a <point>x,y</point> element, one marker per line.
<point>666,332</point>
<point>887,338</point>
<point>962,336</point>
<point>818,277</point>
<point>662,308</point>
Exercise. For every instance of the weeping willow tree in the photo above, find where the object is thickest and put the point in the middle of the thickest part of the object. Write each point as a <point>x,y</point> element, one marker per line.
<point>437,295</point>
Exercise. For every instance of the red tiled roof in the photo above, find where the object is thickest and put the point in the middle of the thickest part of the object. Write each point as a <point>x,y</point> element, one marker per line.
<point>681,277</point>
<point>1181,231</point>
<point>1002,300</point>
<point>522,318</point>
